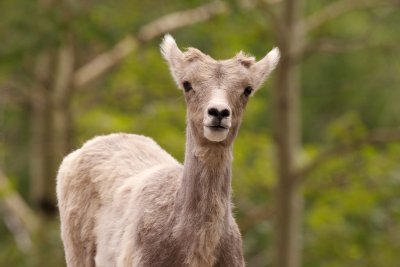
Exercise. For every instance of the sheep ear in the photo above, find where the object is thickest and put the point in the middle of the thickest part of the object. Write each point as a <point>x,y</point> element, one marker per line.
<point>174,57</point>
<point>264,67</point>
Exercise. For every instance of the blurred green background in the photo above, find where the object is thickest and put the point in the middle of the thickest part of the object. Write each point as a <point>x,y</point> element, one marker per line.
<point>350,92</point>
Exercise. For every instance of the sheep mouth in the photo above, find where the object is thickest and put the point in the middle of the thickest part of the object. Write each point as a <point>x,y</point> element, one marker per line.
<point>216,132</point>
<point>217,127</point>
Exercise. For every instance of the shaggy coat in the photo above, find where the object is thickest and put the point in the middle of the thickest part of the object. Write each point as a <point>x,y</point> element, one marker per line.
<point>124,201</point>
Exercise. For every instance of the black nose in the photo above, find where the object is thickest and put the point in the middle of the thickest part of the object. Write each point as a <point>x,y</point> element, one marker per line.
<point>220,114</point>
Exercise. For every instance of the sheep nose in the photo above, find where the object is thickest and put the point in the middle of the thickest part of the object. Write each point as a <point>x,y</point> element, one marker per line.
<point>219,113</point>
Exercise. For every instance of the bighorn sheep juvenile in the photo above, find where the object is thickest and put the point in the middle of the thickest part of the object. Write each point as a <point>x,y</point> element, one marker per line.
<point>124,201</point>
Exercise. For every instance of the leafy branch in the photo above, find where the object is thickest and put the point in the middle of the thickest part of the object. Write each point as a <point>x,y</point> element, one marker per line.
<point>340,8</point>
<point>376,137</point>
<point>105,61</point>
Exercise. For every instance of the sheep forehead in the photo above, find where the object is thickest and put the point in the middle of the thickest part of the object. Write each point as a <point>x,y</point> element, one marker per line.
<point>222,73</point>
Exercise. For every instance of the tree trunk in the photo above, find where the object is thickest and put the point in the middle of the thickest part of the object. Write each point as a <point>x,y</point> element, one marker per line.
<point>39,103</point>
<point>288,139</point>
<point>61,128</point>
<point>50,118</point>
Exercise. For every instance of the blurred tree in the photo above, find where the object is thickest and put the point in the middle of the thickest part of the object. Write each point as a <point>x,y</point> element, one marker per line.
<point>292,32</point>
<point>288,135</point>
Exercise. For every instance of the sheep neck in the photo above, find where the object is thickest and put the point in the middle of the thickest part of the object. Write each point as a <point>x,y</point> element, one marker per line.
<point>205,189</point>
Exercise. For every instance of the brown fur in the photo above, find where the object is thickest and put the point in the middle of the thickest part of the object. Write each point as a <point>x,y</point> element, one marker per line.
<point>124,201</point>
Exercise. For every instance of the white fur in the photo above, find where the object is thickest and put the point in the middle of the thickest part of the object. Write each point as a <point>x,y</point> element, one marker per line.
<point>273,58</point>
<point>174,56</point>
<point>219,101</point>
<point>265,66</point>
<point>215,135</point>
<point>167,46</point>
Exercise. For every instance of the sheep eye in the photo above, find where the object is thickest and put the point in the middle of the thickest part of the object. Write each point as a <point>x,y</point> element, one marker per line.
<point>248,90</point>
<point>187,86</point>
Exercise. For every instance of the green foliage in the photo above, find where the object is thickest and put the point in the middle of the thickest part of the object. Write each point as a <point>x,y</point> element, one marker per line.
<point>351,210</point>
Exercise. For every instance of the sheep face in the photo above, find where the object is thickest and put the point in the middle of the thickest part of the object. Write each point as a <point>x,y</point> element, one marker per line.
<point>216,91</point>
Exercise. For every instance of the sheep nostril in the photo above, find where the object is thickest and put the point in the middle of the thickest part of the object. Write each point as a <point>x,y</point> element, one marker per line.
<point>213,112</point>
<point>225,113</point>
